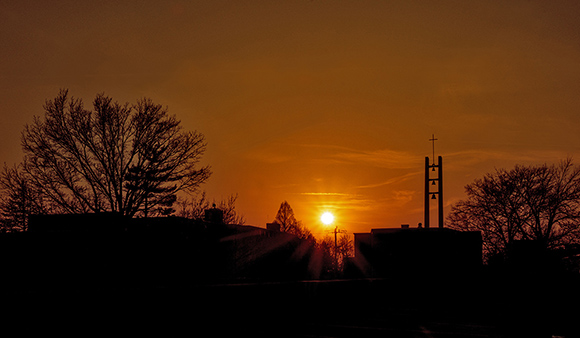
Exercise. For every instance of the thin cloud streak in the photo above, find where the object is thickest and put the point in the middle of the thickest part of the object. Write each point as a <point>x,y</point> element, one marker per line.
<point>328,194</point>
<point>345,201</point>
<point>469,158</point>
<point>383,158</point>
<point>394,180</point>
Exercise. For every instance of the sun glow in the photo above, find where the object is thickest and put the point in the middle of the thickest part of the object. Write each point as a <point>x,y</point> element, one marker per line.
<point>327,218</point>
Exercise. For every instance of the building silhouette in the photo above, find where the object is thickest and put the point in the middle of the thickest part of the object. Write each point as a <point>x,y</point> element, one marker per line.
<point>111,251</point>
<point>108,250</point>
<point>405,251</point>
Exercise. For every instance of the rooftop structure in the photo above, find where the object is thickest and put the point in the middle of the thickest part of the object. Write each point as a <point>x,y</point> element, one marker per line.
<point>389,252</point>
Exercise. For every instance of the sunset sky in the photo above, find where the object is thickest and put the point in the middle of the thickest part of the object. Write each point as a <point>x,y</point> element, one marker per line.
<point>328,105</point>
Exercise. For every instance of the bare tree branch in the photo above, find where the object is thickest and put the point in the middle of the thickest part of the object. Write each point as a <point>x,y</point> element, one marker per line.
<point>536,203</point>
<point>116,157</point>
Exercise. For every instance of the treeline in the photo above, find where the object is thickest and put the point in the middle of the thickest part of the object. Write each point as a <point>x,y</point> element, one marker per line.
<point>130,159</point>
<point>528,212</point>
<point>334,254</point>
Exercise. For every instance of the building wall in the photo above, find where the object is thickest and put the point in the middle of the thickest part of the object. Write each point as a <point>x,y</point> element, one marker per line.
<point>391,252</point>
<point>108,250</point>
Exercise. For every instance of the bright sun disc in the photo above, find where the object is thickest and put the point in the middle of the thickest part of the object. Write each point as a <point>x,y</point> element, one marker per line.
<point>327,218</point>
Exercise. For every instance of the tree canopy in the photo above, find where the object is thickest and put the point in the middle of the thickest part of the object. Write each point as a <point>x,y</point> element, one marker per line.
<point>540,203</point>
<point>126,158</point>
<point>288,223</point>
<point>195,207</point>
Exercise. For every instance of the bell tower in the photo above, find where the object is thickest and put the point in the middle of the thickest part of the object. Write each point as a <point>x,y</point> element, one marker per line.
<point>434,186</point>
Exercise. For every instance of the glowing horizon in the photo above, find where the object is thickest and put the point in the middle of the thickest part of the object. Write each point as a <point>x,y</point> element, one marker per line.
<point>298,104</point>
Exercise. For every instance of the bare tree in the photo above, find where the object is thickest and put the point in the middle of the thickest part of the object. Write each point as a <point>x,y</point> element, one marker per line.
<point>130,159</point>
<point>195,207</point>
<point>345,247</point>
<point>18,199</point>
<point>231,215</point>
<point>531,203</point>
<point>288,223</point>
<point>334,256</point>
<point>326,248</point>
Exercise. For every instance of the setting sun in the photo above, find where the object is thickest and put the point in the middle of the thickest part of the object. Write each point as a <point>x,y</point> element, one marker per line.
<point>327,218</point>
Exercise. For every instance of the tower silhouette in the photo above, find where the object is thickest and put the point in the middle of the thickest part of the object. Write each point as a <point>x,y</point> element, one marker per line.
<point>434,182</point>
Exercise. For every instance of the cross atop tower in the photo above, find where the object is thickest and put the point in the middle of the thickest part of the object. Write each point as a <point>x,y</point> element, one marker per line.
<point>433,139</point>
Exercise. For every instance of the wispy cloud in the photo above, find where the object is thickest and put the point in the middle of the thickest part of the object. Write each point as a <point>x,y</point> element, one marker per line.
<point>469,158</point>
<point>352,204</point>
<point>404,196</point>
<point>268,155</point>
<point>394,180</point>
<point>336,200</point>
<point>382,158</point>
<point>327,194</point>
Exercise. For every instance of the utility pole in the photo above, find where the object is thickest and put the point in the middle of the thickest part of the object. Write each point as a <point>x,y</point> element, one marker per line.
<point>336,231</point>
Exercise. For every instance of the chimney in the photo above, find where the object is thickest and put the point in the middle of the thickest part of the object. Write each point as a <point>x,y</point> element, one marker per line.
<point>273,227</point>
<point>214,215</point>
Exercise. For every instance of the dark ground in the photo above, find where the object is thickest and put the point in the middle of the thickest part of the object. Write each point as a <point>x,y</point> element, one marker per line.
<point>475,307</point>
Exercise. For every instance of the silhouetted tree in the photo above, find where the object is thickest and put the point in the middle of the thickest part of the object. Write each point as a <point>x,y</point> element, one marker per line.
<point>288,223</point>
<point>335,256</point>
<point>539,203</point>
<point>231,215</point>
<point>345,247</point>
<point>116,157</point>
<point>153,193</point>
<point>18,200</point>
<point>326,247</point>
<point>194,208</point>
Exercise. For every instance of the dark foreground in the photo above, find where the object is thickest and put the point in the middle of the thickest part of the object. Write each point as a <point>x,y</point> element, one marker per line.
<point>332,308</point>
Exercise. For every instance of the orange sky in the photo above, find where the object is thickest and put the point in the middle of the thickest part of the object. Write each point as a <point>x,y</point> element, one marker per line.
<point>325,104</point>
